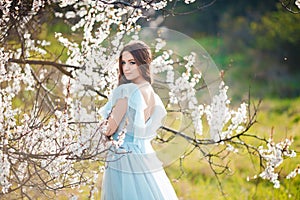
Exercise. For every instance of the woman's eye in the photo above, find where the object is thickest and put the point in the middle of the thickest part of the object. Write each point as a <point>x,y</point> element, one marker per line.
<point>132,63</point>
<point>122,63</point>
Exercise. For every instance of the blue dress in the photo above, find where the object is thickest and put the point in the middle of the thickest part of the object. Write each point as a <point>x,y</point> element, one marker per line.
<point>133,171</point>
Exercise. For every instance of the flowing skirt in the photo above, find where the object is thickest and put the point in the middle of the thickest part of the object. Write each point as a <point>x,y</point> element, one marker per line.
<point>134,173</point>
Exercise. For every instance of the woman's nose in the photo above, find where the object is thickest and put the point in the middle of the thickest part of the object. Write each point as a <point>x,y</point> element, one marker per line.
<point>125,67</point>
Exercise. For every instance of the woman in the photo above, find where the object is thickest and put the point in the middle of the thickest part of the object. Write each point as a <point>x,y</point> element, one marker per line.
<point>133,171</point>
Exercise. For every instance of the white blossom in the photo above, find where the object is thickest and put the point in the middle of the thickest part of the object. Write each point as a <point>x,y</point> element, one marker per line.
<point>70,14</point>
<point>64,3</point>
<point>297,3</point>
<point>4,172</point>
<point>59,15</point>
<point>36,5</point>
<point>293,173</point>
<point>189,1</point>
<point>231,148</point>
<point>4,56</point>
<point>273,156</point>
<point>218,113</point>
<point>159,5</point>
<point>160,43</point>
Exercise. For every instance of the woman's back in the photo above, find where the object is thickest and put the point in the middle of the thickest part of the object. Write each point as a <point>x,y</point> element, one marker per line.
<point>144,110</point>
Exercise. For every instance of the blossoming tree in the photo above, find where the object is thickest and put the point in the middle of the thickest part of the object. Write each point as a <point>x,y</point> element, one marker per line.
<point>50,98</point>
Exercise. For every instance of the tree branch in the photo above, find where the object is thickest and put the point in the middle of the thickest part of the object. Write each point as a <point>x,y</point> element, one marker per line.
<point>59,66</point>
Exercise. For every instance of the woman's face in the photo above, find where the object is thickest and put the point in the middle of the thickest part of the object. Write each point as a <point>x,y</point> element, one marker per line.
<point>130,67</point>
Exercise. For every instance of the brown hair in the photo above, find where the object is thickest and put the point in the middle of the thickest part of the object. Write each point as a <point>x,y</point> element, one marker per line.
<point>142,56</point>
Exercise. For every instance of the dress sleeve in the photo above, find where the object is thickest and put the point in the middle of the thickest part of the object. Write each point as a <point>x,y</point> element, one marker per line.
<point>118,93</point>
<point>134,97</point>
<point>105,110</point>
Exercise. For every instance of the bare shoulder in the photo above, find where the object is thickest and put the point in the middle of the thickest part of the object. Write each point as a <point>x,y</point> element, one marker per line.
<point>148,94</point>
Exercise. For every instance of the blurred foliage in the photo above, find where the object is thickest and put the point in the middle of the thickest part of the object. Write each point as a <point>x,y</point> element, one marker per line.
<point>258,43</point>
<point>279,26</point>
<point>278,32</point>
<point>206,19</point>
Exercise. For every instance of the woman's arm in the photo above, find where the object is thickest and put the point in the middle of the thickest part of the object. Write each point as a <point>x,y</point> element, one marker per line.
<point>116,116</point>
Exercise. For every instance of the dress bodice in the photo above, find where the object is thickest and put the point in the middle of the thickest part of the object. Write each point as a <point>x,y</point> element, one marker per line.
<point>134,117</point>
